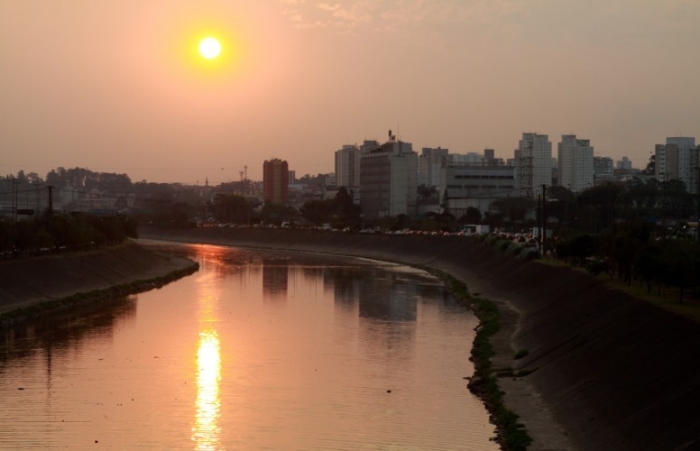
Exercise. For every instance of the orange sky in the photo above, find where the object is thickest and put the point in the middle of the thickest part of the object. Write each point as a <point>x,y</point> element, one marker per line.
<point>115,87</point>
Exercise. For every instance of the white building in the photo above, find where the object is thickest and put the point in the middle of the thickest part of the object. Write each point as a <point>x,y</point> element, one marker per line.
<point>575,163</point>
<point>462,187</point>
<point>429,164</point>
<point>347,166</point>
<point>678,160</point>
<point>533,164</point>
<point>388,180</point>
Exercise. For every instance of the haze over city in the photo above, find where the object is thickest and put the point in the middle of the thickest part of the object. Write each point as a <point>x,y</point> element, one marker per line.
<point>120,86</point>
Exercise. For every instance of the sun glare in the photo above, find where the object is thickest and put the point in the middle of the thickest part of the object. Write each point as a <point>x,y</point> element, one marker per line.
<point>209,48</point>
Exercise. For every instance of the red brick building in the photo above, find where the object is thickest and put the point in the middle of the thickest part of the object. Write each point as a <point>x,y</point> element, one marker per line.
<point>276,181</point>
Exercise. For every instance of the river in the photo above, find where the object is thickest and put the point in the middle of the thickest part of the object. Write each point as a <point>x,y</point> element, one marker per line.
<point>258,350</point>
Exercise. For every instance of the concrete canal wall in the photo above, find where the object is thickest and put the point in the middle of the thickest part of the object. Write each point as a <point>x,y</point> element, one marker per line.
<point>608,371</point>
<point>32,285</point>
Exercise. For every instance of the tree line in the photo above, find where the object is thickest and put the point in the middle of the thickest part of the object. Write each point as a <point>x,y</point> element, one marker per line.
<point>62,233</point>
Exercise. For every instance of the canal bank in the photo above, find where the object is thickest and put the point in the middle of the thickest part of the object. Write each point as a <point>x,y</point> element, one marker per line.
<point>604,370</point>
<point>36,286</point>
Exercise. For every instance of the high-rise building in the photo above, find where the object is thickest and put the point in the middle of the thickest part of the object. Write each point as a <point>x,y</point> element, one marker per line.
<point>624,164</point>
<point>347,167</point>
<point>678,159</point>
<point>533,164</point>
<point>429,163</point>
<point>369,146</point>
<point>603,167</point>
<point>575,163</point>
<point>388,180</point>
<point>276,181</point>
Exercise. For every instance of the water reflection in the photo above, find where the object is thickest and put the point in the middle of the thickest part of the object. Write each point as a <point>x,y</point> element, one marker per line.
<point>362,355</point>
<point>206,431</point>
<point>208,402</point>
<point>389,298</point>
<point>66,332</point>
<point>275,276</point>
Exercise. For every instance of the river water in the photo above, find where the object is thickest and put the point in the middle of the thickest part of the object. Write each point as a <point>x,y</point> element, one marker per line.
<point>258,350</point>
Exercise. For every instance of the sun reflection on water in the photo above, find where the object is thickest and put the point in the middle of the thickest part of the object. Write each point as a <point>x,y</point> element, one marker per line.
<point>206,431</point>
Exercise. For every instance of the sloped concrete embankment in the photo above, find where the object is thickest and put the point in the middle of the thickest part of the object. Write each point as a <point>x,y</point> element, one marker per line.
<point>41,284</point>
<point>615,372</point>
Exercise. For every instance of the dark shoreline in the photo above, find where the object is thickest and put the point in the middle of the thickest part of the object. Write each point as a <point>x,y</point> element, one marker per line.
<point>602,369</point>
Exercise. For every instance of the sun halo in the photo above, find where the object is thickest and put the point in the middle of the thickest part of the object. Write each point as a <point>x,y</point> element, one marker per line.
<point>209,48</point>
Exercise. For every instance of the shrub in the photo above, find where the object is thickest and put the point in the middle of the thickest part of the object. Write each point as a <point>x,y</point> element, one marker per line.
<point>514,249</point>
<point>502,245</point>
<point>530,253</point>
<point>491,239</point>
<point>596,266</point>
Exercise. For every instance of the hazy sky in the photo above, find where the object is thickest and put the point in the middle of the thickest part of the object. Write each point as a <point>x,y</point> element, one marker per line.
<point>117,86</point>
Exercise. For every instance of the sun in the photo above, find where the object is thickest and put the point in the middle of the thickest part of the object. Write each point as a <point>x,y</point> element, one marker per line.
<point>209,48</point>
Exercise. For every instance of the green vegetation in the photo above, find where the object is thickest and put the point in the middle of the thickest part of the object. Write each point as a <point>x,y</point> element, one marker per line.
<point>511,434</point>
<point>514,249</point>
<point>340,212</point>
<point>631,253</point>
<point>530,253</point>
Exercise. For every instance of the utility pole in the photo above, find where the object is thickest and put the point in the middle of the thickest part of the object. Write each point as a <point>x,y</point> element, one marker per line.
<point>15,198</point>
<point>697,216</point>
<point>544,216</point>
<point>539,221</point>
<point>36,212</point>
<point>50,211</point>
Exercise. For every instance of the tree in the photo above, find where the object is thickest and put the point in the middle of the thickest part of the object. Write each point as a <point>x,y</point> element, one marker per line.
<point>577,249</point>
<point>274,213</point>
<point>620,245</point>
<point>601,203</point>
<point>472,216</point>
<point>650,169</point>
<point>231,208</point>
<point>680,263</point>
<point>514,207</point>
<point>642,197</point>
<point>317,211</point>
<point>648,264</point>
<point>426,192</point>
<point>347,213</point>
<point>676,202</point>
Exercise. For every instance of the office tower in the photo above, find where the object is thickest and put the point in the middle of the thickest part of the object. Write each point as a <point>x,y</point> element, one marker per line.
<point>388,176</point>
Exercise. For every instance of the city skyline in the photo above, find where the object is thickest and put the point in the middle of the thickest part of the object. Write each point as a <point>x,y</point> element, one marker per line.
<point>115,87</point>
